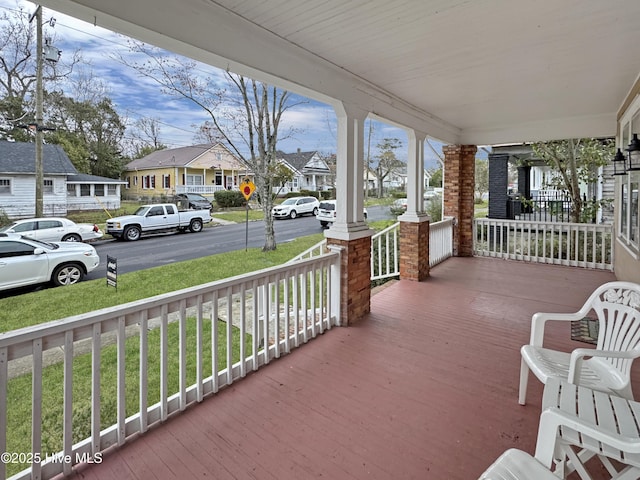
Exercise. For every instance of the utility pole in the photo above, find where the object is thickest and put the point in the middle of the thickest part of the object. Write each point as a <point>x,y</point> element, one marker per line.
<point>52,55</point>
<point>39,115</point>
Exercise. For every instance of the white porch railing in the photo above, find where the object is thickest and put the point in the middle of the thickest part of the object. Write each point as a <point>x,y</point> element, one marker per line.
<point>575,244</point>
<point>440,241</point>
<point>201,189</point>
<point>156,338</point>
<point>385,256</point>
<point>385,253</point>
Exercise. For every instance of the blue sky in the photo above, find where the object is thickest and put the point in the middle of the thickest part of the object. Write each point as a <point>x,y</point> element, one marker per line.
<point>136,97</point>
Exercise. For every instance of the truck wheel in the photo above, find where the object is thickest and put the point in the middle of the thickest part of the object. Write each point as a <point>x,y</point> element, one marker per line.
<point>292,214</point>
<point>323,224</point>
<point>196,225</point>
<point>132,234</point>
<point>67,274</point>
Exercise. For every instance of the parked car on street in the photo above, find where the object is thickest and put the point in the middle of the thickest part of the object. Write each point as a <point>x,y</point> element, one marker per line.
<point>295,206</point>
<point>54,229</point>
<point>157,218</point>
<point>194,201</point>
<point>25,261</point>
<point>327,212</point>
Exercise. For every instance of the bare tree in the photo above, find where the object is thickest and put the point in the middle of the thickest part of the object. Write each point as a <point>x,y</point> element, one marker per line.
<point>388,163</point>
<point>247,116</point>
<point>18,69</point>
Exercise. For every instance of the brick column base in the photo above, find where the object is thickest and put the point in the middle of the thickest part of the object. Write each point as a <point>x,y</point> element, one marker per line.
<point>355,278</point>
<point>414,250</point>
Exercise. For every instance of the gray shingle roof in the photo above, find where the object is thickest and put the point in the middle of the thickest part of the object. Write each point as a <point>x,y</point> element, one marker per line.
<point>86,178</point>
<point>175,157</point>
<point>20,157</point>
<point>297,160</point>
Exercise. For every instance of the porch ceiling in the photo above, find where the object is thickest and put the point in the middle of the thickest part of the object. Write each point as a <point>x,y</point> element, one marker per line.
<point>478,72</point>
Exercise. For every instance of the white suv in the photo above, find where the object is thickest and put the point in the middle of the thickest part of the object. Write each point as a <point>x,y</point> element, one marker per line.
<point>25,261</point>
<point>295,206</point>
<point>327,212</point>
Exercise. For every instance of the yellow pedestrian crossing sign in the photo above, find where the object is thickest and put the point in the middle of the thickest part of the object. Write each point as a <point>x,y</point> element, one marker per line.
<point>247,188</point>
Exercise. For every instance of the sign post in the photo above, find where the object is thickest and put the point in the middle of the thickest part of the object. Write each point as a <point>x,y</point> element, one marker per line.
<point>112,272</point>
<point>247,187</point>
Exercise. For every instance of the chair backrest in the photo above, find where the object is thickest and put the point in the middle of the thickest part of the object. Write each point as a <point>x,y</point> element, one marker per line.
<point>617,306</point>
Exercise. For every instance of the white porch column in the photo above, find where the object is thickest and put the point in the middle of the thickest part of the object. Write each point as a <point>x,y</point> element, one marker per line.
<point>350,233</point>
<point>349,222</point>
<point>415,176</point>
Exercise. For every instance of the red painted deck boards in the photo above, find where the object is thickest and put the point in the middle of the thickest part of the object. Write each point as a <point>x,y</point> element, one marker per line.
<point>424,388</point>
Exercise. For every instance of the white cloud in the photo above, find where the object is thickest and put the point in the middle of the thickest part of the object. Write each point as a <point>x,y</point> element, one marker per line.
<point>136,97</point>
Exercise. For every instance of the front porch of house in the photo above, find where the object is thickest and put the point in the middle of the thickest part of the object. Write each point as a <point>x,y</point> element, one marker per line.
<point>425,386</point>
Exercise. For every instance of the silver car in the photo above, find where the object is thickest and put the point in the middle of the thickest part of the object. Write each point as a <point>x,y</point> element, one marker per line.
<point>54,229</point>
<point>295,206</point>
<point>25,261</point>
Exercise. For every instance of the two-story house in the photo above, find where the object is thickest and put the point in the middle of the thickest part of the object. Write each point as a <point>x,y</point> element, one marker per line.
<point>202,169</point>
<point>310,172</point>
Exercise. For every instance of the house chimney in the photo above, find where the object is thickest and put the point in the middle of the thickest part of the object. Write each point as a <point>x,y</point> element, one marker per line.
<point>298,149</point>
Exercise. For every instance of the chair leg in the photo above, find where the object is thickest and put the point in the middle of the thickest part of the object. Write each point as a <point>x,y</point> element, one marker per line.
<point>524,380</point>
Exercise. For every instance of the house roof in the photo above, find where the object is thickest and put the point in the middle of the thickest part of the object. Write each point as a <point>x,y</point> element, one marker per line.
<point>186,157</point>
<point>86,178</point>
<point>300,161</point>
<point>20,158</point>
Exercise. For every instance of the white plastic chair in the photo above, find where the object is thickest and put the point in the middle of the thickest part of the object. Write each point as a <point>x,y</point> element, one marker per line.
<point>517,465</point>
<point>578,423</point>
<point>607,368</point>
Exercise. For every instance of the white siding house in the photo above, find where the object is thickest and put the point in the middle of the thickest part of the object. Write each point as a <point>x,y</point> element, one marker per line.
<point>63,190</point>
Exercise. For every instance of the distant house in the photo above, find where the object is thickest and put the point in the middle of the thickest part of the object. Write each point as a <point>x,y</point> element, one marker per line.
<point>202,169</point>
<point>310,172</point>
<point>64,189</point>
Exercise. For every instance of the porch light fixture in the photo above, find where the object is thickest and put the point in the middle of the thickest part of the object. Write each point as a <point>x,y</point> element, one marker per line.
<point>619,163</point>
<point>634,153</point>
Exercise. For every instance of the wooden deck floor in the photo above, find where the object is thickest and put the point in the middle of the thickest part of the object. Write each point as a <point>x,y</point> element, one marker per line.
<point>424,388</point>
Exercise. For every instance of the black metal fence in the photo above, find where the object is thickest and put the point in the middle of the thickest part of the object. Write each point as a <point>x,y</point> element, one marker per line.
<point>548,207</point>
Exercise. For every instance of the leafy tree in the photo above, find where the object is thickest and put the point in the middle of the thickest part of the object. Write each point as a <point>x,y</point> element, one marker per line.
<point>93,128</point>
<point>482,178</point>
<point>388,163</point>
<point>576,162</point>
<point>246,116</point>
<point>436,177</point>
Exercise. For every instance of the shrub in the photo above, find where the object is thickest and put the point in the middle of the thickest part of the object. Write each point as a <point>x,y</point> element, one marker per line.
<point>229,198</point>
<point>303,193</point>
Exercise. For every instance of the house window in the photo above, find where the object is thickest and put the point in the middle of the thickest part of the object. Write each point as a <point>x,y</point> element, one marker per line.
<point>98,190</point>
<point>166,181</point>
<point>71,190</point>
<point>135,180</point>
<point>218,156</point>
<point>112,190</point>
<point>128,179</point>
<point>47,185</point>
<point>85,190</point>
<point>219,179</point>
<point>149,182</point>
<point>194,180</point>
<point>629,215</point>
<point>5,186</point>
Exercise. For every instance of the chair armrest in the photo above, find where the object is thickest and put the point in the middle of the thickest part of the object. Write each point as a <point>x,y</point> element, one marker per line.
<point>578,355</point>
<point>552,418</point>
<point>539,320</point>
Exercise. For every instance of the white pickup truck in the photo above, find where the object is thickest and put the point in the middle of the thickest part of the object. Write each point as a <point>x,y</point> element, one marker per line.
<point>156,218</point>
